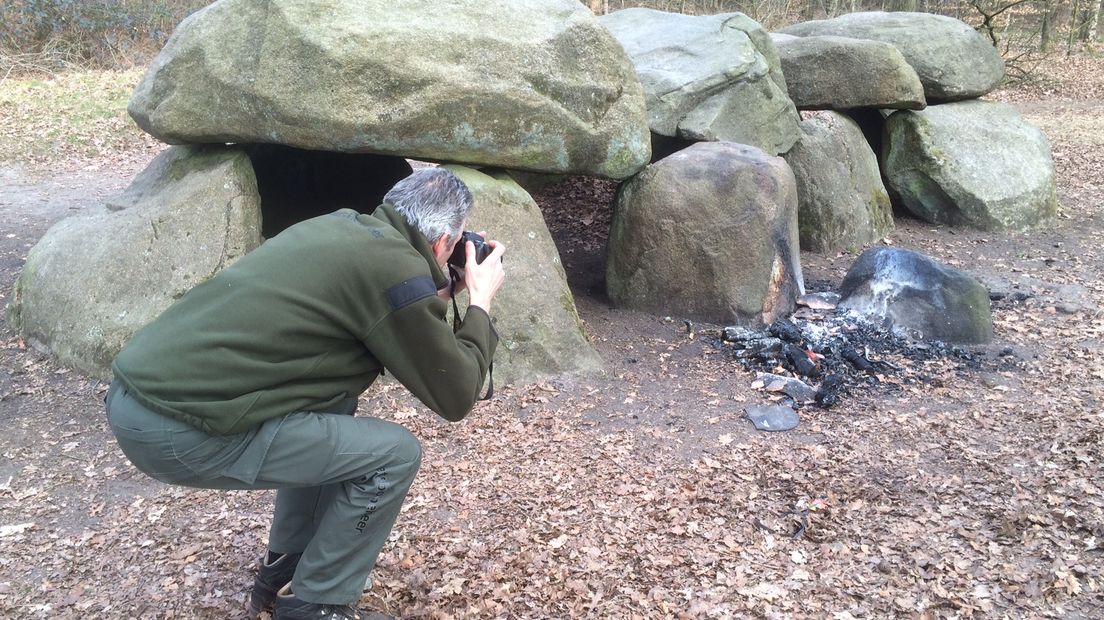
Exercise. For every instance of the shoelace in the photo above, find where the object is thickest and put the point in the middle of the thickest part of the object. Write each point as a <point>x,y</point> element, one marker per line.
<point>340,612</point>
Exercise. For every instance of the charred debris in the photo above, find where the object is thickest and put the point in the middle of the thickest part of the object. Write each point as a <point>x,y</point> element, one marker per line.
<point>818,355</point>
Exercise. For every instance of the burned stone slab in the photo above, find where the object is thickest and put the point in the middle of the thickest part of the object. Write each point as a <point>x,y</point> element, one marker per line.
<point>824,300</point>
<point>917,296</point>
<point>773,417</point>
<point>796,389</point>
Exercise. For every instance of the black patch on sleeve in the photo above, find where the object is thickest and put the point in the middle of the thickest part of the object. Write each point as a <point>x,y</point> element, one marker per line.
<point>405,293</point>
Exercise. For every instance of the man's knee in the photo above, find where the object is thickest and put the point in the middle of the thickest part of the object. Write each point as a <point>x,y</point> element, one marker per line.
<point>408,450</point>
<point>399,466</point>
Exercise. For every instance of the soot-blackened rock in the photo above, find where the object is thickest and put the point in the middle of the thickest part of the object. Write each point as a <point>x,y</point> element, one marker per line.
<point>913,294</point>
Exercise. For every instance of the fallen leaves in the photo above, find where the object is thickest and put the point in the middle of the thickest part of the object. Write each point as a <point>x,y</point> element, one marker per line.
<point>70,116</point>
<point>19,528</point>
<point>642,495</point>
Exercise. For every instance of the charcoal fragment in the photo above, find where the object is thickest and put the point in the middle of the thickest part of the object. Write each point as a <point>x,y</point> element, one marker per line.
<point>800,361</point>
<point>857,360</point>
<point>735,333</point>
<point>786,330</point>
<point>770,345</point>
<point>829,391</point>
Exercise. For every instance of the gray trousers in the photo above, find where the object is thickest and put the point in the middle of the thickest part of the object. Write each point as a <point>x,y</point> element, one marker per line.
<point>341,481</point>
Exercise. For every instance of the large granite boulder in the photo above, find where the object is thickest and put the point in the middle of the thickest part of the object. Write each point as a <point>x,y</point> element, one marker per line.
<point>95,279</point>
<point>469,81</point>
<point>539,329</point>
<point>837,73</point>
<point>841,200</point>
<point>917,297</point>
<point>708,233</point>
<point>973,163</point>
<point>953,60</point>
<point>714,77</point>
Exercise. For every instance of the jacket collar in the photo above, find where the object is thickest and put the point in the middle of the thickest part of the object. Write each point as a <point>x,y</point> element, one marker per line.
<point>389,215</point>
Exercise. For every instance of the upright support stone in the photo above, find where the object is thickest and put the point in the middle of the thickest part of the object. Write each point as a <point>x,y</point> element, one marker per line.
<point>972,163</point>
<point>539,329</point>
<point>708,233</point>
<point>842,202</point>
<point>95,279</point>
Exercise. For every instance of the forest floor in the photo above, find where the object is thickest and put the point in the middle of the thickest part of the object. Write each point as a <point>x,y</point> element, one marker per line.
<point>965,491</point>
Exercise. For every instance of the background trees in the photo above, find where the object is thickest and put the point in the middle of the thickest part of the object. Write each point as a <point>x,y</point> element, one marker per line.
<point>48,35</point>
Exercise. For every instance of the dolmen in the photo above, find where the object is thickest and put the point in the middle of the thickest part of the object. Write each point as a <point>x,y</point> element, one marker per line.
<point>735,148</point>
<point>278,112</point>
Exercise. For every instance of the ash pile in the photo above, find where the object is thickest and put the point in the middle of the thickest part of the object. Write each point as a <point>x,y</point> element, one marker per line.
<point>900,319</point>
<point>819,355</point>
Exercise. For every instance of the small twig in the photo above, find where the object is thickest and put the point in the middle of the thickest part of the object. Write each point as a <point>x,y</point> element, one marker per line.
<point>803,525</point>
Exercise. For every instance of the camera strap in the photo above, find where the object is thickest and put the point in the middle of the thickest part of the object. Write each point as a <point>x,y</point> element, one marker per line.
<point>454,277</point>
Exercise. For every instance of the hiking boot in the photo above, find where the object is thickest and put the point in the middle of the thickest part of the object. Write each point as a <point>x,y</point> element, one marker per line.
<point>271,576</point>
<point>291,607</point>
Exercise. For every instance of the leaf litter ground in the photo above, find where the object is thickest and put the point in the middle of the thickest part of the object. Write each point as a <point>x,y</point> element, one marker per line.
<point>645,493</point>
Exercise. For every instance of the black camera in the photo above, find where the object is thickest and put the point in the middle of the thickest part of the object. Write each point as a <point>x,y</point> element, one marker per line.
<point>459,254</point>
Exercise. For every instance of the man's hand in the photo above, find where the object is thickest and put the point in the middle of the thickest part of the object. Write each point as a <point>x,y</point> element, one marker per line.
<point>484,279</point>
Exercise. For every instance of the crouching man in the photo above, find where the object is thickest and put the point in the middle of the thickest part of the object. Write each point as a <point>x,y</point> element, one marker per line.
<point>250,381</point>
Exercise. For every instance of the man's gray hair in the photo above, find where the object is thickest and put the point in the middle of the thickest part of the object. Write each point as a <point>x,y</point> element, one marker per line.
<point>433,200</point>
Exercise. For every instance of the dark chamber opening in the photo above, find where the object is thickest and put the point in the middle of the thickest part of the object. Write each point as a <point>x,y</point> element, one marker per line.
<point>297,184</point>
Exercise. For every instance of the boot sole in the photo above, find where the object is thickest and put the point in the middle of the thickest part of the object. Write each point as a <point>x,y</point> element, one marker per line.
<point>260,600</point>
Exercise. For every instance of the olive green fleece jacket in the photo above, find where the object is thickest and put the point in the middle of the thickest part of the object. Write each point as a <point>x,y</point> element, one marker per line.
<point>306,320</point>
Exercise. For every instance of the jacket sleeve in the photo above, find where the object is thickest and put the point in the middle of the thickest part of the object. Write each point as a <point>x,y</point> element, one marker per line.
<point>444,370</point>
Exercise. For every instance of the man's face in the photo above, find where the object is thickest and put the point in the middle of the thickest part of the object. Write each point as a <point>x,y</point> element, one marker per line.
<point>443,247</point>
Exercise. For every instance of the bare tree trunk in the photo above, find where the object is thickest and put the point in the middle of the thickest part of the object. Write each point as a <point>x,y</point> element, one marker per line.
<point>1098,32</point>
<point>1050,12</point>
<point>1092,21</point>
<point>903,5</point>
<point>1074,21</point>
<point>812,9</point>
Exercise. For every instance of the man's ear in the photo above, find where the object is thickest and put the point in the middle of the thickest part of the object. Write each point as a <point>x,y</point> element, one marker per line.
<point>441,247</point>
